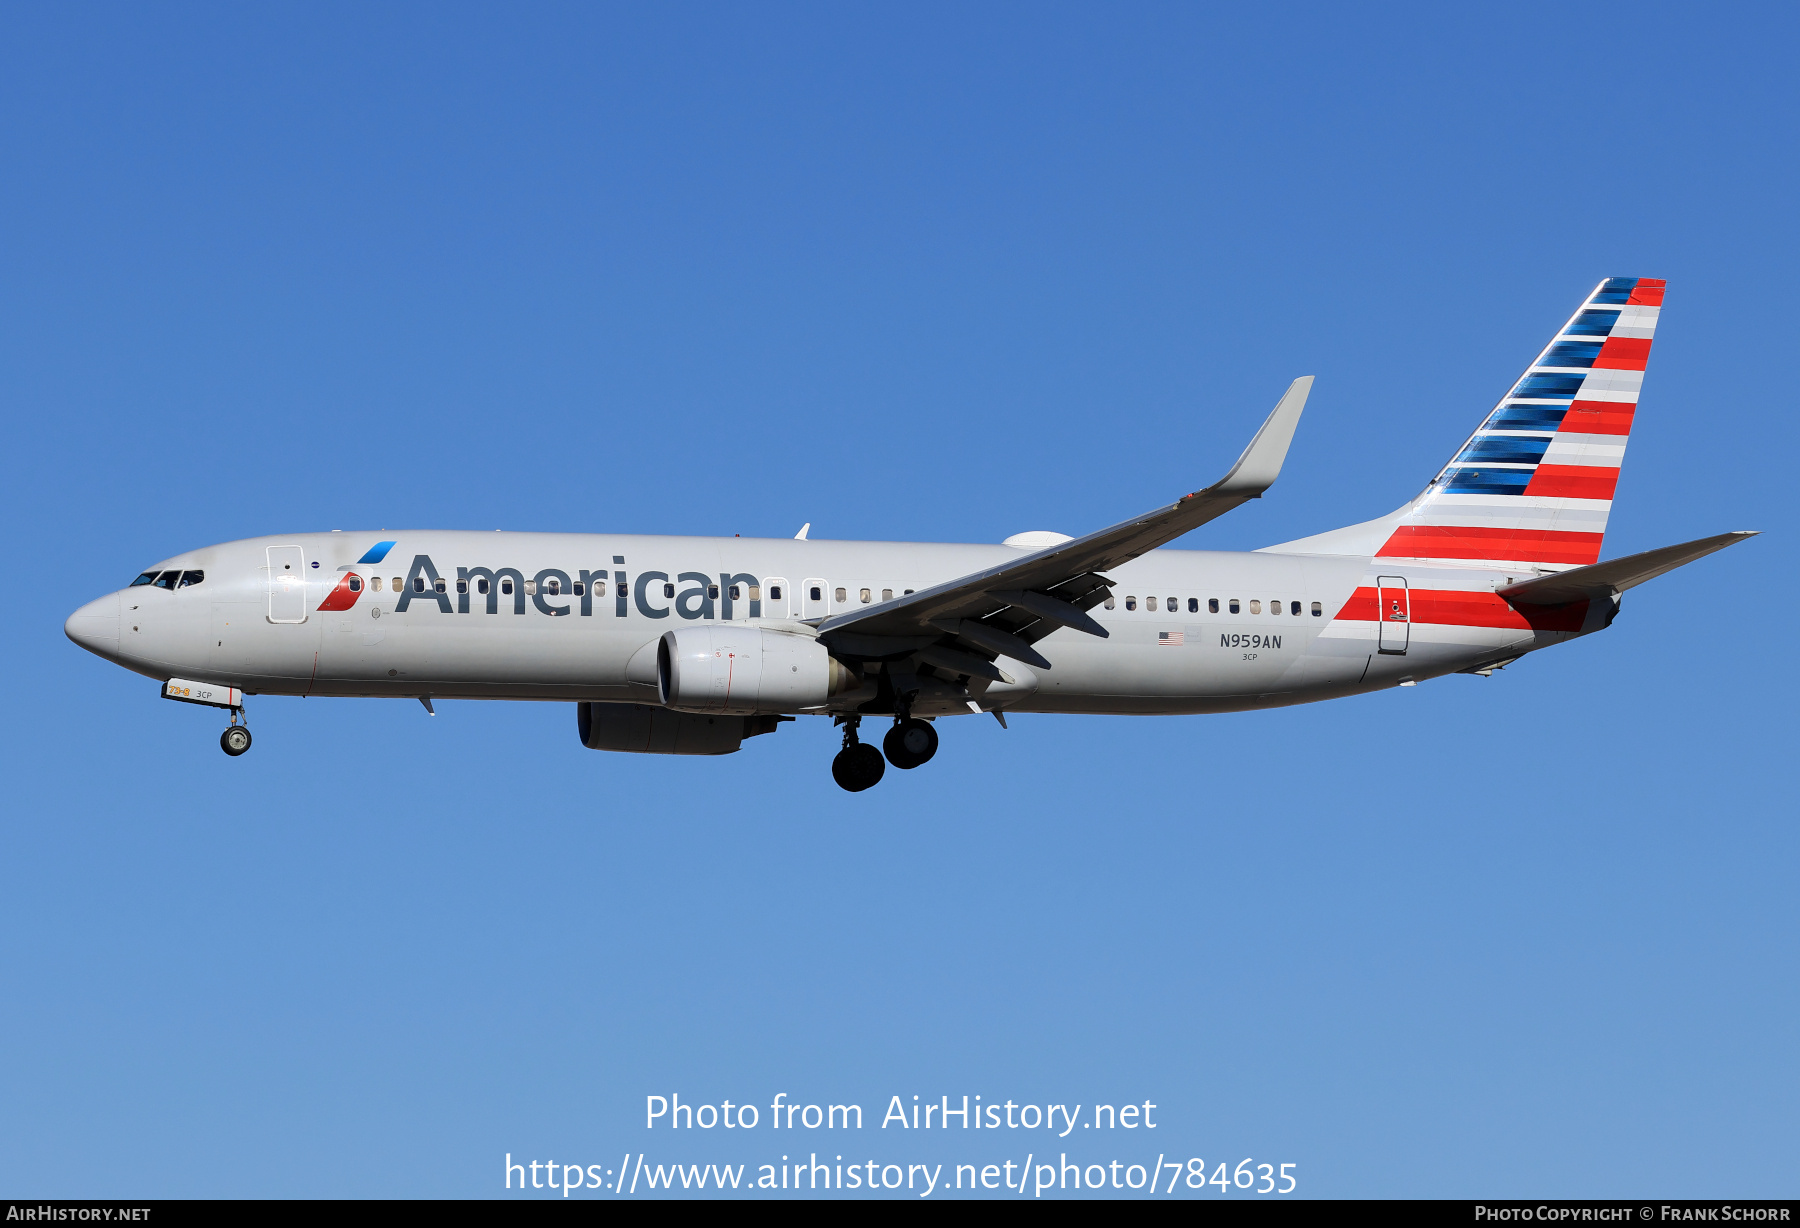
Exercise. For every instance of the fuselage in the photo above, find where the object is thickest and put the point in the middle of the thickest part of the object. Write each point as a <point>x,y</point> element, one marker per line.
<point>562,616</point>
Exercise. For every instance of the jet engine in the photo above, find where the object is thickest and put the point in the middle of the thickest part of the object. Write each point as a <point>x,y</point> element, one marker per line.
<point>746,670</point>
<point>649,730</point>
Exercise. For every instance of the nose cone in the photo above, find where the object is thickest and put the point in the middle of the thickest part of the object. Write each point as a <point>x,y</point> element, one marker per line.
<point>95,626</point>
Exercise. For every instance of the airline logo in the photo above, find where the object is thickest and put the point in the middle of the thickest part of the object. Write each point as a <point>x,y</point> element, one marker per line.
<point>350,585</point>
<point>1535,483</point>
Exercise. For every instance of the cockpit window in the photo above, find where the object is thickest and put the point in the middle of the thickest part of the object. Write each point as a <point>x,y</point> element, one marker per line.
<point>149,577</point>
<point>191,578</point>
<point>168,579</point>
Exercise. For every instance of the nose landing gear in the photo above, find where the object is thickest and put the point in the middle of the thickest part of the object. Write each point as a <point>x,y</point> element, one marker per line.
<point>858,766</point>
<point>236,738</point>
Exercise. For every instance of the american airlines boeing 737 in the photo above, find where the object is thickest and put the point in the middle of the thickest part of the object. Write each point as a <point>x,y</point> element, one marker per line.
<point>689,645</point>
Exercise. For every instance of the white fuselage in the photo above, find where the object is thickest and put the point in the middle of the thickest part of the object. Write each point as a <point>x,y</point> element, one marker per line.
<point>1174,646</point>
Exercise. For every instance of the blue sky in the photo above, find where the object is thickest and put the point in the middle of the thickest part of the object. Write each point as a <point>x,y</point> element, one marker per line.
<point>934,273</point>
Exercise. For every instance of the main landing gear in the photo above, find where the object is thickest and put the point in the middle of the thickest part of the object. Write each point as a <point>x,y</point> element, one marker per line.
<point>910,743</point>
<point>236,738</point>
<point>858,766</point>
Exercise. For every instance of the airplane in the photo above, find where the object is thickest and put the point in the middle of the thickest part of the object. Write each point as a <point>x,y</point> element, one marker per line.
<point>690,645</point>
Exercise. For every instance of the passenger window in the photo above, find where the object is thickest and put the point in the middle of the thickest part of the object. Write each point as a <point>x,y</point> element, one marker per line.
<point>578,588</point>
<point>1149,603</point>
<point>189,578</point>
<point>864,594</point>
<point>887,594</point>
<point>733,590</point>
<point>908,593</point>
<point>1318,610</point>
<point>712,592</point>
<point>399,585</point>
<point>149,577</point>
<point>1110,603</point>
<point>1193,605</point>
<point>480,585</point>
<point>418,584</point>
<point>1275,607</point>
<point>356,584</point>
<point>599,588</point>
<point>668,590</point>
<point>462,586</point>
<point>1256,607</point>
<point>1234,605</point>
<point>1131,603</point>
<point>756,592</point>
<point>1294,608</point>
<point>506,586</point>
<point>440,586</point>
<point>1212,605</point>
<point>840,595</point>
<point>816,595</point>
<point>375,584</point>
<point>1174,606</point>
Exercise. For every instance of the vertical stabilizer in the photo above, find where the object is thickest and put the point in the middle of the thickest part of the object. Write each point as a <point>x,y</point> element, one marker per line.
<point>1534,485</point>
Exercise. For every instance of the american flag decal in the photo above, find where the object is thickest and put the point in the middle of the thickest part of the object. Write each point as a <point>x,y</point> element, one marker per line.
<point>1170,639</point>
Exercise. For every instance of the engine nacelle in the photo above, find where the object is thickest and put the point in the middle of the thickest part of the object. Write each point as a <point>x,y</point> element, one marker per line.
<point>747,670</point>
<point>648,730</point>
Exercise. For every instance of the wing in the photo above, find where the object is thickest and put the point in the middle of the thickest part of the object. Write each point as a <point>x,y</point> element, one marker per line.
<point>960,626</point>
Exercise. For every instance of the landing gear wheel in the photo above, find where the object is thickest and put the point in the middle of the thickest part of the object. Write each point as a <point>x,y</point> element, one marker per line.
<point>910,743</point>
<point>857,767</point>
<point>235,740</point>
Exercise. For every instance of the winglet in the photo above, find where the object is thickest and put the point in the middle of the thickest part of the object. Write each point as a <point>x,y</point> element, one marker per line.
<point>804,529</point>
<point>1259,466</point>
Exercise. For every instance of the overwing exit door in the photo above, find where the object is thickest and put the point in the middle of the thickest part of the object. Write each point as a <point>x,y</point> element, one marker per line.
<point>776,593</point>
<point>1394,609</point>
<point>287,584</point>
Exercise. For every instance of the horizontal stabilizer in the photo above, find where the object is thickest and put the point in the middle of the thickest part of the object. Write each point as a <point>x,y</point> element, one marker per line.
<point>1612,578</point>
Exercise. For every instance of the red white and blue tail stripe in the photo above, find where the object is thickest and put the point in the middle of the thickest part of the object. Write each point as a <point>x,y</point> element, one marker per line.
<point>1533,485</point>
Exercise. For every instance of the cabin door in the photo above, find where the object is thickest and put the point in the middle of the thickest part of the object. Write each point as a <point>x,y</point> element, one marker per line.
<point>1394,609</point>
<point>287,584</point>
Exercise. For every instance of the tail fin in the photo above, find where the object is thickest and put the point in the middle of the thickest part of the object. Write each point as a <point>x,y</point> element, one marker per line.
<point>1533,485</point>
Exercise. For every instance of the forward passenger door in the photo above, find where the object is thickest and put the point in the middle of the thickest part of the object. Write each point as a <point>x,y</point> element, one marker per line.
<point>287,584</point>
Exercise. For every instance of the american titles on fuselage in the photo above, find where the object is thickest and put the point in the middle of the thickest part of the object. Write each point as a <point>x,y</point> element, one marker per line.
<point>724,596</point>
